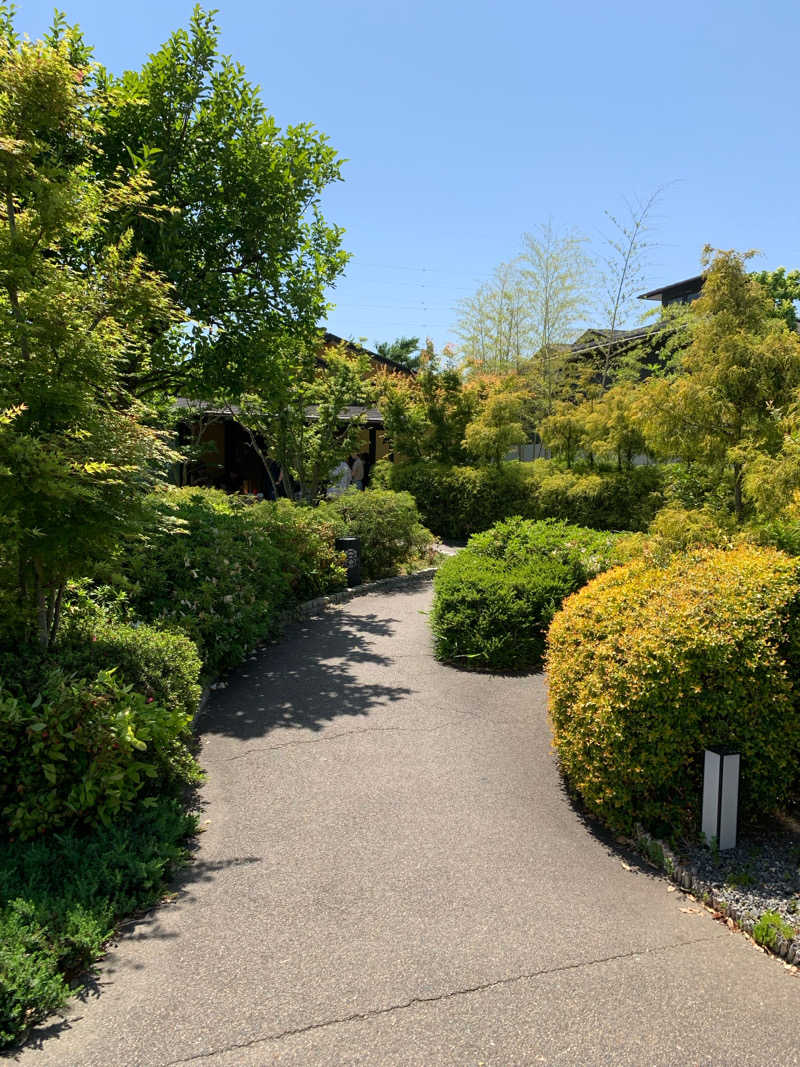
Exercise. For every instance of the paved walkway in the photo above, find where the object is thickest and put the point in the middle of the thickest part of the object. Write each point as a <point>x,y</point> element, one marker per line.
<point>392,874</point>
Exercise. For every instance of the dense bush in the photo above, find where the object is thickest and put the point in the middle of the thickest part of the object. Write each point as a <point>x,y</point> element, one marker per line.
<point>455,502</point>
<point>388,525</point>
<point>61,896</point>
<point>650,665</point>
<point>607,500</point>
<point>494,601</point>
<point>164,666</point>
<point>220,569</point>
<point>84,751</point>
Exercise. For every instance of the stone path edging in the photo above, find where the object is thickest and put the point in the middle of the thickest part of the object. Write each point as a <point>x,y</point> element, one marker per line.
<point>686,879</point>
<point>314,607</point>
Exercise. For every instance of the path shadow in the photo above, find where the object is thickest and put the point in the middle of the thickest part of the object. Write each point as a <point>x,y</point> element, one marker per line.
<point>323,669</point>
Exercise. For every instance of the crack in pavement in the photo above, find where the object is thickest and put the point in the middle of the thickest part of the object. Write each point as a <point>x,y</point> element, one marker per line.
<point>374,1013</point>
<point>345,733</point>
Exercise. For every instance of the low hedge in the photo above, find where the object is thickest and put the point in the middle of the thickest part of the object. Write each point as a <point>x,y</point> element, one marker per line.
<point>494,600</point>
<point>650,665</point>
<point>158,664</point>
<point>388,526</point>
<point>455,502</point>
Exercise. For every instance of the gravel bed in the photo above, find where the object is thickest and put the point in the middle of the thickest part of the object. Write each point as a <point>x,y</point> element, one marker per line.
<point>762,874</point>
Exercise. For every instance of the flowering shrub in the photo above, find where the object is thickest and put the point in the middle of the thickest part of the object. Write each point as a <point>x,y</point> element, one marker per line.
<point>649,665</point>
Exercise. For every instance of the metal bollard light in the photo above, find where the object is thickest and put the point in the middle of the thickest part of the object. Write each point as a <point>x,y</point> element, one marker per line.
<point>721,796</point>
<point>351,546</point>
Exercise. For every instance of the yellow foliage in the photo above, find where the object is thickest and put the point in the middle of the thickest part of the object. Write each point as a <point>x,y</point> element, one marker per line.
<point>650,665</point>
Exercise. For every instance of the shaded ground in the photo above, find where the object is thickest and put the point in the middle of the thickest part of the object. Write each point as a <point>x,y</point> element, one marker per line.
<point>392,874</point>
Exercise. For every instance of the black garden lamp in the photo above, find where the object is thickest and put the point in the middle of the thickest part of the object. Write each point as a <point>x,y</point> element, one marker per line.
<point>351,546</point>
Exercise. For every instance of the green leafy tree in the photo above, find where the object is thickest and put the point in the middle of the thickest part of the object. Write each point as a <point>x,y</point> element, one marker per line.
<point>611,428</point>
<point>308,420</point>
<point>497,425</point>
<point>245,245</point>
<point>557,273</point>
<point>426,416</point>
<point>563,431</point>
<point>725,410</point>
<point>494,324</point>
<point>623,276</point>
<point>76,308</point>
<point>784,288</point>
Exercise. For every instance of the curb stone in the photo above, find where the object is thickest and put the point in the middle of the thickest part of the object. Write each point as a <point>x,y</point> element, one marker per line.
<point>319,604</point>
<point>662,856</point>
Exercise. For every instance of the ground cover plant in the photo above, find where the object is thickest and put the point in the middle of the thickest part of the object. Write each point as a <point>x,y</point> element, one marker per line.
<point>650,664</point>
<point>62,895</point>
<point>494,600</point>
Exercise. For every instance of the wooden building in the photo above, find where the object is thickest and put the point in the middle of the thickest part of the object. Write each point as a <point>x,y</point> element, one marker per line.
<point>229,461</point>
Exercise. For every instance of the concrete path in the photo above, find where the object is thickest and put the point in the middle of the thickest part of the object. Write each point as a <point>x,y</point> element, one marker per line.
<point>392,874</point>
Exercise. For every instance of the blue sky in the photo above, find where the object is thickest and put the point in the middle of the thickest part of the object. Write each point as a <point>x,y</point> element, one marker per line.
<point>466,124</point>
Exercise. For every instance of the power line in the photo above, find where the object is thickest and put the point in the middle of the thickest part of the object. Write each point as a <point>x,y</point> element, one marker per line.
<point>425,270</point>
<point>396,307</point>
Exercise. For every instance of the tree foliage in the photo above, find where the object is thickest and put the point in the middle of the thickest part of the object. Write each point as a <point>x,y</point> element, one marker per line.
<point>245,245</point>
<point>426,416</point>
<point>404,350</point>
<point>77,307</point>
<point>738,376</point>
<point>308,416</point>
<point>497,423</point>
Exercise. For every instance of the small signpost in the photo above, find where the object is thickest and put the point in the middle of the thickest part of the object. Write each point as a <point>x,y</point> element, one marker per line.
<point>721,796</point>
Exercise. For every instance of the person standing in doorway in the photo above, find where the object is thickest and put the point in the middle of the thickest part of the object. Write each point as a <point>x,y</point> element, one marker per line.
<point>357,471</point>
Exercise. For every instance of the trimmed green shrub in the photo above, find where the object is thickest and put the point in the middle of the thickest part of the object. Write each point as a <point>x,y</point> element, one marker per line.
<point>84,751</point>
<point>607,500</point>
<point>494,600</point>
<point>517,541</point>
<point>60,897</point>
<point>455,502</point>
<point>387,524</point>
<point>649,665</point>
<point>220,569</point>
<point>161,665</point>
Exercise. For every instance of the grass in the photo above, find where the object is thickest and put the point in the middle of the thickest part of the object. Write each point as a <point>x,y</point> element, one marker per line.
<point>62,896</point>
<point>770,927</point>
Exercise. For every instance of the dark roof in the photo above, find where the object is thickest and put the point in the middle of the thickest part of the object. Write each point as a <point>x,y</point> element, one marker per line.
<point>592,339</point>
<point>371,416</point>
<point>676,290</point>
<point>332,339</point>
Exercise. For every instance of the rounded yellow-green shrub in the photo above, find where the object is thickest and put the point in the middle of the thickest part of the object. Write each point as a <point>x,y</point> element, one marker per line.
<point>650,665</point>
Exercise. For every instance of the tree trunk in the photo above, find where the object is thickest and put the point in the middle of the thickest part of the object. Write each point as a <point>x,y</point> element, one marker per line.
<point>738,503</point>
<point>56,619</point>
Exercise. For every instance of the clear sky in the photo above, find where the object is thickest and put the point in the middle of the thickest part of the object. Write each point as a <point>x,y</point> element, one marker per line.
<point>465,124</point>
